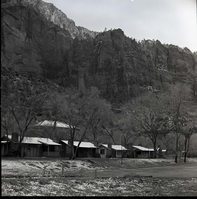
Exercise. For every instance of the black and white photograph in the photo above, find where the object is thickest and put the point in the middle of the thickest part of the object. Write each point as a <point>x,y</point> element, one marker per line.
<point>99,98</point>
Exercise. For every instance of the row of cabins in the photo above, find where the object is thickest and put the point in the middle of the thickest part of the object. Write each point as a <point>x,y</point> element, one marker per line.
<point>45,147</point>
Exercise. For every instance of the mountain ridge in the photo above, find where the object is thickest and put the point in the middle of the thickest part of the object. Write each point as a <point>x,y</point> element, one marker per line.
<point>35,40</point>
<point>54,15</point>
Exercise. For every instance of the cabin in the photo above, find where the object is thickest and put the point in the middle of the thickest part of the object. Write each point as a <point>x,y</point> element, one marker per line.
<point>86,149</point>
<point>33,146</point>
<point>105,151</point>
<point>143,152</point>
<point>39,147</point>
<point>115,151</point>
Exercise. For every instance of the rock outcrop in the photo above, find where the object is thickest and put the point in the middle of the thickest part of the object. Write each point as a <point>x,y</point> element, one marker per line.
<point>54,15</point>
<point>39,39</point>
<point>123,68</point>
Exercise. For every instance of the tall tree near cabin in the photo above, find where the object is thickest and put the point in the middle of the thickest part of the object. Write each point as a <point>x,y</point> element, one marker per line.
<point>22,101</point>
<point>182,104</point>
<point>150,117</point>
<point>188,134</point>
<point>94,114</point>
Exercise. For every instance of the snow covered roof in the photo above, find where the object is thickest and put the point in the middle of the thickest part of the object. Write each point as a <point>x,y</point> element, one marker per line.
<point>3,142</point>
<point>37,140</point>
<point>118,147</point>
<point>115,147</point>
<point>48,141</point>
<point>105,145</point>
<point>141,148</point>
<point>65,141</point>
<point>51,124</point>
<point>82,144</point>
<point>30,140</point>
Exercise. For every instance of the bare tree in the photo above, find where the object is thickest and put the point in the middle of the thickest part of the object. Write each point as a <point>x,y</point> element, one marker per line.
<point>181,105</point>
<point>79,111</point>
<point>127,126</point>
<point>150,117</point>
<point>187,136</point>
<point>21,102</point>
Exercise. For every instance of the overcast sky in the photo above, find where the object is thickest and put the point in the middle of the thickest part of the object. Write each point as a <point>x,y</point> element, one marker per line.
<point>170,21</point>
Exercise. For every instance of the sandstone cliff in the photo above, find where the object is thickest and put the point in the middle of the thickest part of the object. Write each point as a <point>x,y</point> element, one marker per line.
<point>37,38</point>
<point>123,68</point>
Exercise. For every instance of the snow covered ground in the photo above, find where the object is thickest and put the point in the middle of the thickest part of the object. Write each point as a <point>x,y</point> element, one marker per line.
<point>39,167</point>
<point>129,186</point>
<point>18,178</point>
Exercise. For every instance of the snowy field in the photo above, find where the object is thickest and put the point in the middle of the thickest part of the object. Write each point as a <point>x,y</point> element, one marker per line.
<point>11,167</point>
<point>25,167</point>
<point>33,177</point>
<point>128,186</point>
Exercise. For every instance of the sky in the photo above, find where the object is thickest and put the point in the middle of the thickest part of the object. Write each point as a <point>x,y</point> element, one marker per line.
<point>169,21</point>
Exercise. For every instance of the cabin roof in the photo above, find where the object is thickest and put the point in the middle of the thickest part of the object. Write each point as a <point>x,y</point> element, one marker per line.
<point>115,147</point>
<point>82,144</point>
<point>47,123</point>
<point>37,140</point>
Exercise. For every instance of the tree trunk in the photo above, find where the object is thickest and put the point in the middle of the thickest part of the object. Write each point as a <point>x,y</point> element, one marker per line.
<point>187,147</point>
<point>177,148</point>
<point>176,158</point>
<point>155,150</point>
<point>185,154</point>
<point>72,149</point>
<point>72,135</point>
<point>75,153</point>
<point>18,151</point>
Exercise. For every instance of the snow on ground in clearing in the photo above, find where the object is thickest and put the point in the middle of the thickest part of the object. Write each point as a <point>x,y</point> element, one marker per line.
<point>36,167</point>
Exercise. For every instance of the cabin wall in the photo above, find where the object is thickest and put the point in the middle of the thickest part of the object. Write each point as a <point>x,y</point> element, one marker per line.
<point>50,151</point>
<point>4,149</point>
<point>86,152</point>
<point>65,150</point>
<point>31,150</point>
<point>104,152</point>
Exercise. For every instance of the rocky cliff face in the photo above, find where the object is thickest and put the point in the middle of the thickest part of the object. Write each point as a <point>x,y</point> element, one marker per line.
<point>31,43</point>
<point>38,38</point>
<point>54,15</point>
<point>123,68</point>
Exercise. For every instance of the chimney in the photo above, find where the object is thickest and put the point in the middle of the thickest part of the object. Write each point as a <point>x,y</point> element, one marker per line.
<point>15,137</point>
